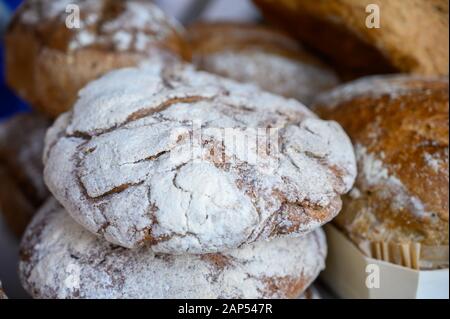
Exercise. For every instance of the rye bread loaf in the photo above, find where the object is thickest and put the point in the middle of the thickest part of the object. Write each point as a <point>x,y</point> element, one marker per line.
<point>47,62</point>
<point>189,162</point>
<point>413,34</point>
<point>260,55</point>
<point>399,127</point>
<point>60,259</point>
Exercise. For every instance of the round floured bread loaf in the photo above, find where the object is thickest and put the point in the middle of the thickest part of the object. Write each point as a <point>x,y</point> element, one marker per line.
<point>412,35</point>
<point>399,127</point>
<point>259,55</point>
<point>60,259</point>
<point>22,188</point>
<point>47,62</point>
<point>189,162</point>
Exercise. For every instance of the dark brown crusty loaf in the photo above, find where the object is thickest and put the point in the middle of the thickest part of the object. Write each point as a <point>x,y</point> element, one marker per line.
<point>259,55</point>
<point>22,188</point>
<point>47,62</point>
<point>399,127</point>
<point>413,34</point>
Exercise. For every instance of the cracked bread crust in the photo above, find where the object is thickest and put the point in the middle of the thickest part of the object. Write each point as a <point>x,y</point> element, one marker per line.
<point>260,55</point>
<point>399,126</point>
<point>60,259</point>
<point>47,62</point>
<point>125,165</point>
<point>22,188</point>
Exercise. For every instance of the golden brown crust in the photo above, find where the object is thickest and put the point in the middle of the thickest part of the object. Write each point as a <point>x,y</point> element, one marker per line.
<point>47,63</point>
<point>413,36</point>
<point>260,55</point>
<point>22,188</point>
<point>399,126</point>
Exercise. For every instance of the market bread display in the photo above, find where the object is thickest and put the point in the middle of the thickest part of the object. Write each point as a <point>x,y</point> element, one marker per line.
<point>399,128</point>
<point>413,36</point>
<point>22,188</point>
<point>48,60</point>
<point>211,162</point>
<point>188,162</point>
<point>60,259</point>
<point>260,55</point>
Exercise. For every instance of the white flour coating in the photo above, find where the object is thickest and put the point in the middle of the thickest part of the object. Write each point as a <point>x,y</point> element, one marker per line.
<point>372,86</point>
<point>21,145</point>
<point>272,72</point>
<point>63,260</point>
<point>46,9</point>
<point>138,26</point>
<point>123,165</point>
<point>372,174</point>
<point>435,162</point>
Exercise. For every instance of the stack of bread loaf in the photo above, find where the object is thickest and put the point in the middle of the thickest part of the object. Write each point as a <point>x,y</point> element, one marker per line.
<point>182,163</point>
<point>165,181</point>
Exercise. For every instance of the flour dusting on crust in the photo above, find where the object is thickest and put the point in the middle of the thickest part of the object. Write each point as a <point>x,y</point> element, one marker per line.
<point>399,125</point>
<point>62,260</point>
<point>122,164</point>
<point>274,73</point>
<point>394,86</point>
<point>374,174</point>
<point>132,25</point>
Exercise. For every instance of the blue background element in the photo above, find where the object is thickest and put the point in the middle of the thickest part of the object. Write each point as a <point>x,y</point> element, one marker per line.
<point>12,4</point>
<point>9,102</point>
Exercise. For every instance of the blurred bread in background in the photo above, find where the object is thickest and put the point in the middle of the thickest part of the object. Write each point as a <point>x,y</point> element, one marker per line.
<point>413,34</point>
<point>260,55</point>
<point>22,188</point>
<point>47,62</point>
